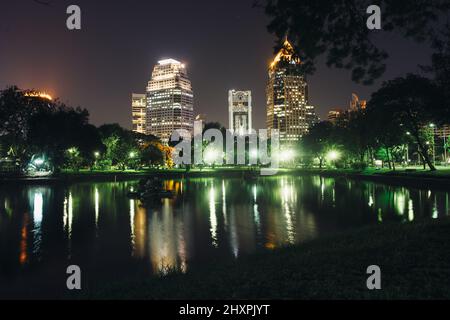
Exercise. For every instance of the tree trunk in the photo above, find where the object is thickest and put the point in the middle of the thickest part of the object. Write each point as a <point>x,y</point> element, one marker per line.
<point>388,158</point>
<point>426,157</point>
<point>393,162</point>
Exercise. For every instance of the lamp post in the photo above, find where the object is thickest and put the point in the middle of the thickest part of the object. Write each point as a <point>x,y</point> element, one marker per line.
<point>445,147</point>
<point>96,156</point>
<point>433,131</point>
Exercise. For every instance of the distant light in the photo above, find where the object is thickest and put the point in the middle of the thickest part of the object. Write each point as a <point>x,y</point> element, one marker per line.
<point>132,155</point>
<point>287,155</point>
<point>168,61</point>
<point>96,154</point>
<point>38,205</point>
<point>42,95</point>
<point>333,155</point>
<point>72,150</point>
<point>211,156</point>
<point>432,125</point>
<point>38,162</point>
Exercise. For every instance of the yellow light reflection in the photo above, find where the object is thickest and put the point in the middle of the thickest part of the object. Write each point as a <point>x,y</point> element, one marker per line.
<point>132,214</point>
<point>23,257</point>
<point>140,232</point>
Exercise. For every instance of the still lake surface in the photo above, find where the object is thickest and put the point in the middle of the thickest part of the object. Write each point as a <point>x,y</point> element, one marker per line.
<point>96,226</point>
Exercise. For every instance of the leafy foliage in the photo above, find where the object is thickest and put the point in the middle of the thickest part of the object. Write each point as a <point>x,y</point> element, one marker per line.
<point>337,29</point>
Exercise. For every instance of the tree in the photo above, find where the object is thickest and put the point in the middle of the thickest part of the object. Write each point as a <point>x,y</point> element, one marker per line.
<point>355,135</point>
<point>119,144</point>
<point>337,29</point>
<point>386,138</point>
<point>440,65</point>
<point>414,103</point>
<point>318,141</point>
<point>16,109</point>
<point>62,129</point>
<point>152,154</point>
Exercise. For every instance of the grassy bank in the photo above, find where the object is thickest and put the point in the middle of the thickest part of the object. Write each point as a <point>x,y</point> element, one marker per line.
<point>413,258</point>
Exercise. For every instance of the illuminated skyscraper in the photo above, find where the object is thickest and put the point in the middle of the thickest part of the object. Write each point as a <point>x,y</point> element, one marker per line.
<point>170,100</point>
<point>356,104</point>
<point>240,111</point>
<point>288,109</point>
<point>139,112</point>
<point>335,114</point>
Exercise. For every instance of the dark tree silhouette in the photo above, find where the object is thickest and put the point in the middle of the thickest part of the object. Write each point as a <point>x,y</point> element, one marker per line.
<point>413,102</point>
<point>337,28</point>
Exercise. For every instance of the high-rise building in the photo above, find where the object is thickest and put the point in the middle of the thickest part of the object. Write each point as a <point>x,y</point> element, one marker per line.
<point>240,111</point>
<point>170,100</point>
<point>311,117</point>
<point>287,96</point>
<point>335,114</point>
<point>356,104</point>
<point>139,112</point>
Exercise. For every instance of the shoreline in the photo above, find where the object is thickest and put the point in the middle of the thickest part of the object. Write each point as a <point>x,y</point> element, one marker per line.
<point>417,179</point>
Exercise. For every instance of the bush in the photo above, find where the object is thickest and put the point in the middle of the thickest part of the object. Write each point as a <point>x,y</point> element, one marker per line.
<point>104,164</point>
<point>360,165</point>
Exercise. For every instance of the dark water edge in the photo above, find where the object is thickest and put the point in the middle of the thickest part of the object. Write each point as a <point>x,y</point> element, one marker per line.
<point>396,178</point>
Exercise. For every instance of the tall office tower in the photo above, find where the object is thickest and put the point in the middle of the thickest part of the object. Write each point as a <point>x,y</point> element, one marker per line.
<point>287,96</point>
<point>139,112</point>
<point>240,111</point>
<point>335,114</point>
<point>311,117</point>
<point>170,100</point>
<point>356,104</point>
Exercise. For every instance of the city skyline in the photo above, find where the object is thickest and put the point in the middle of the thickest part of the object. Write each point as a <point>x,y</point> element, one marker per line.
<point>121,64</point>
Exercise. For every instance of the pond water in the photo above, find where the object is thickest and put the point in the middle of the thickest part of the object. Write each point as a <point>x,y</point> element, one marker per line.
<point>96,226</point>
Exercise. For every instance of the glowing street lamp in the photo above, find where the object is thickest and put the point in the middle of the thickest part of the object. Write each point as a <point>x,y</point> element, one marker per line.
<point>97,154</point>
<point>211,156</point>
<point>287,155</point>
<point>333,155</point>
<point>132,155</point>
<point>38,162</point>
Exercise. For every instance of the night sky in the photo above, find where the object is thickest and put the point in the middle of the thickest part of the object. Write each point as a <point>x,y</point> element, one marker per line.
<point>225,45</point>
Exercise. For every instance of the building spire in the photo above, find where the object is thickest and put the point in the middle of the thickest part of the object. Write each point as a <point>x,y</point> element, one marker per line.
<point>286,52</point>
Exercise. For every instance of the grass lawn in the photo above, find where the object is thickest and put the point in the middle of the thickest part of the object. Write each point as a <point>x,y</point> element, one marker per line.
<point>414,260</point>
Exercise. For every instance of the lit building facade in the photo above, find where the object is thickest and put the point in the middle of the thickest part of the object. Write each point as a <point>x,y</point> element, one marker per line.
<point>240,111</point>
<point>356,104</point>
<point>311,117</point>
<point>139,112</point>
<point>335,114</point>
<point>170,100</point>
<point>287,97</point>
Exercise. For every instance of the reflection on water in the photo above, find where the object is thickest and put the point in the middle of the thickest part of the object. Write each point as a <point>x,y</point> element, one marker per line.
<point>97,225</point>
